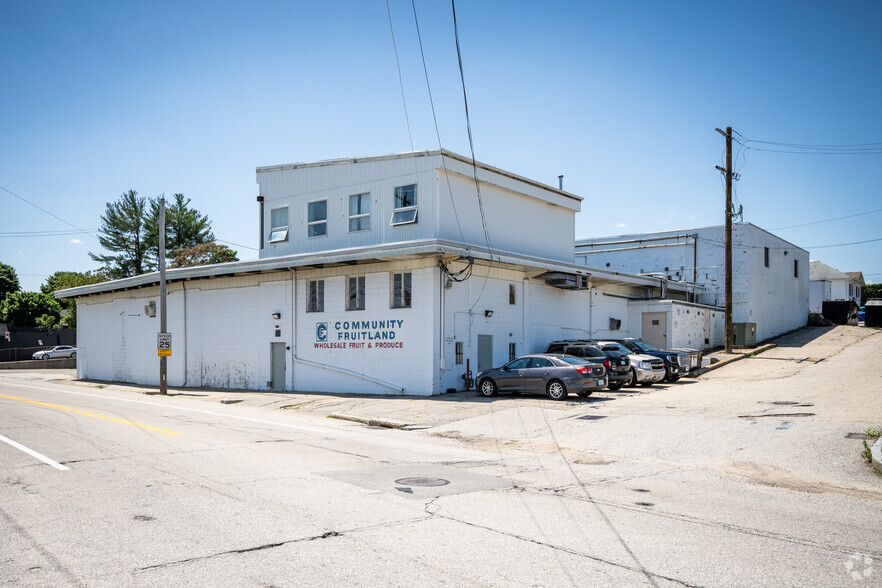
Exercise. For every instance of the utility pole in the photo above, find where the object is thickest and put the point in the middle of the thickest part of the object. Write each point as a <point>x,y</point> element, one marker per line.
<point>163,375</point>
<point>728,244</point>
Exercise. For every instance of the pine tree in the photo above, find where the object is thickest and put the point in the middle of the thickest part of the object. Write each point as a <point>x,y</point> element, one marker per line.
<point>124,233</point>
<point>185,227</point>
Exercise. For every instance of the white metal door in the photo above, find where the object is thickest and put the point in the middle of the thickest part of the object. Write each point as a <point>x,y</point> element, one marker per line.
<point>655,329</point>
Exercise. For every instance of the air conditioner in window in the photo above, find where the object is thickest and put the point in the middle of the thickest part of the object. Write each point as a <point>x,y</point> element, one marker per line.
<point>150,309</point>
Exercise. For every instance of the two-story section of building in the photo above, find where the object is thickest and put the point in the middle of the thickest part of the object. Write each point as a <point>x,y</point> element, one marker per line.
<point>404,273</point>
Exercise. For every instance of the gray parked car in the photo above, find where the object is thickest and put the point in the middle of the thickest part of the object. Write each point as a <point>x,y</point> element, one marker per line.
<point>56,352</point>
<point>555,375</point>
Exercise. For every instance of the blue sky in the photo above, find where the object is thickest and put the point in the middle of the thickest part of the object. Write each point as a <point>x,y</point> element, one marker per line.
<point>97,98</point>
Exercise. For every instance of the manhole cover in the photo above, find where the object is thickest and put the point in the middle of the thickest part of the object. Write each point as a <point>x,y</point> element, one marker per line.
<point>591,417</point>
<point>422,481</point>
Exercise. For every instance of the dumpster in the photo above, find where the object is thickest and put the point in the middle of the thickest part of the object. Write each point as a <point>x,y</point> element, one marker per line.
<point>873,313</point>
<point>841,312</point>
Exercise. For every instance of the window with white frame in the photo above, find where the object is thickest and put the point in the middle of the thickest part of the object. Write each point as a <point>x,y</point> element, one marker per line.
<point>360,212</point>
<point>278,225</point>
<point>405,205</point>
<point>316,296</point>
<point>355,293</point>
<point>317,219</point>
<point>400,290</point>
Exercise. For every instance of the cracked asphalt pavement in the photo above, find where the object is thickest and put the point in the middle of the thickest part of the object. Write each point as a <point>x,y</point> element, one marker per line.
<point>744,476</point>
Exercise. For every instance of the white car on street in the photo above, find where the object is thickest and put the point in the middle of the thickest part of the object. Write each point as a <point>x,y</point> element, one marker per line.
<point>56,352</point>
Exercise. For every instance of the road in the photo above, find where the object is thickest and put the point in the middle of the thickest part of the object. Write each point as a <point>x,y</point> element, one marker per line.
<point>691,484</point>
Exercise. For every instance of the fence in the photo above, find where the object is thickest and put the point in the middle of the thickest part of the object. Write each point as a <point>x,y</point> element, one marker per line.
<point>20,353</point>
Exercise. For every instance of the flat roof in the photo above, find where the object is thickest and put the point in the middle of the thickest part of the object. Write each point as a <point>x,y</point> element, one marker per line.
<point>413,154</point>
<point>372,254</point>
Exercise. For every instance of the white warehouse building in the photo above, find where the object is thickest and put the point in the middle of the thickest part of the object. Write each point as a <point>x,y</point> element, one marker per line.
<point>770,278</point>
<point>384,274</point>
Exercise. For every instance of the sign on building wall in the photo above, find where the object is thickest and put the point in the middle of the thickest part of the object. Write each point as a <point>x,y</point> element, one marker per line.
<point>366,334</point>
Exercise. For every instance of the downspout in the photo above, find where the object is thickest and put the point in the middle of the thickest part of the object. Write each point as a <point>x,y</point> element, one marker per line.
<point>184,285</point>
<point>293,353</point>
<point>441,301</point>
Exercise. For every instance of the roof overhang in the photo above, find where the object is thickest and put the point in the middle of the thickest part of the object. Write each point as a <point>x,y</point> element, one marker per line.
<point>438,248</point>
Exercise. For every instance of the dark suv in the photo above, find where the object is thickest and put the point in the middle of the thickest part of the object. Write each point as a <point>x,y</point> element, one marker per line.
<point>618,366</point>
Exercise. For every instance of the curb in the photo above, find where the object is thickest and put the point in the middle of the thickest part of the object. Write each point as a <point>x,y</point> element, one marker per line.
<point>370,422</point>
<point>876,455</point>
<point>733,359</point>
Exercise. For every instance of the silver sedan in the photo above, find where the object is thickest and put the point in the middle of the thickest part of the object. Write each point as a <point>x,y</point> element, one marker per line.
<point>555,375</point>
<point>56,352</point>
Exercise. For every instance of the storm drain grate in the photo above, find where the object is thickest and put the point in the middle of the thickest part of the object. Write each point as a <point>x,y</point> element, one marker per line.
<point>591,417</point>
<point>790,403</point>
<point>644,503</point>
<point>859,436</point>
<point>422,481</point>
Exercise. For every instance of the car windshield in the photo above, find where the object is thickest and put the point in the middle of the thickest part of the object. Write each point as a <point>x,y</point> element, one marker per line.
<point>572,360</point>
<point>643,345</point>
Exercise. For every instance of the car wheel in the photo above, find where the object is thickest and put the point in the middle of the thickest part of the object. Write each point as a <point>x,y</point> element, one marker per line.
<point>488,387</point>
<point>615,387</point>
<point>556,390</point>
<point>646,384</point>
<point>633,381</point>
<point>73,355</point>
<point>45,356</point>
<point>673,378</point>
<point>585,394</point>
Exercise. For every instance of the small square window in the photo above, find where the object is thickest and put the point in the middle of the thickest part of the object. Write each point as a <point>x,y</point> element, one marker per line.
<point>355,293</point>
<point>278,225</point>
<point>316,300</point>
<point>359,212</point>
<point>401,290</point>
<point>405,205</point>
<point>459,353</point>
<point>317,219</point>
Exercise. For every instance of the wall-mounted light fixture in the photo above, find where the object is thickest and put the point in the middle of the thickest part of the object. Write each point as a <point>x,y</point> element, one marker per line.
<point>277,315</point>
<point>488,313</point>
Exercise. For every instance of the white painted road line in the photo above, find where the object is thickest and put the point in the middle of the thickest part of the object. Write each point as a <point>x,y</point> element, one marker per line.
<point>33,453</point>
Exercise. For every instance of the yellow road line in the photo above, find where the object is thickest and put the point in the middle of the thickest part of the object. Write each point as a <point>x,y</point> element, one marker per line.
<point>94,415</point>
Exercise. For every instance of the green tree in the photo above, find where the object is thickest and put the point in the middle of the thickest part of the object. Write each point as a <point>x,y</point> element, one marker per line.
<point>25,309</point>
<point>124,233</point>
<point>870,291</point>
<point>8,280</point>
<point>63,280</point>
<point>185,227</point>
<point>205,254</point>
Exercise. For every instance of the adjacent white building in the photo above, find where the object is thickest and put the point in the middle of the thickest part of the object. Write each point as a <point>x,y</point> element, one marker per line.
<point>389,274</point>
<point>828,283</point>
<point>769,279</point>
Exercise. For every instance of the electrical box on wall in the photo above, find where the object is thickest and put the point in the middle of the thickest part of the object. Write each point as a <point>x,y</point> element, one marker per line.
<point>745,334</point>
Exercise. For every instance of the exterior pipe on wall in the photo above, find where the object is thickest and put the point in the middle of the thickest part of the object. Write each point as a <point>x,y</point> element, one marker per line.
<point>334,368</point>
<point>184,286</point>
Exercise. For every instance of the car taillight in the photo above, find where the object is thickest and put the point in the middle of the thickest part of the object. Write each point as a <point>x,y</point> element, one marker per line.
<point>606,363</point>
<point>582,370</point>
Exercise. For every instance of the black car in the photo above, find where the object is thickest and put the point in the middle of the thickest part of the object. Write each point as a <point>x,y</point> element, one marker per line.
<point>676,362</point>
<point>555,375</point>
<point>618,366</point>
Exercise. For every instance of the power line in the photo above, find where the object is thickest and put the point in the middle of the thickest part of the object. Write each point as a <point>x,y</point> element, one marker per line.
<point>47,212</point>
<point>844,244</point>
<point>827,220</point>
<point>237,245</point>
<point>400,80</point>
<point>435,119</point>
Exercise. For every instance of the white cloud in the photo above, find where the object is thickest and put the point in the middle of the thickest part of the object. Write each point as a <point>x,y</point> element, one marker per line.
<point>621,226</point>
<point>76,241</point>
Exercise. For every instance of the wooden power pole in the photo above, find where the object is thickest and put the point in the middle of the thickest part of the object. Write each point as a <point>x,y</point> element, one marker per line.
<point>728,244</point>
